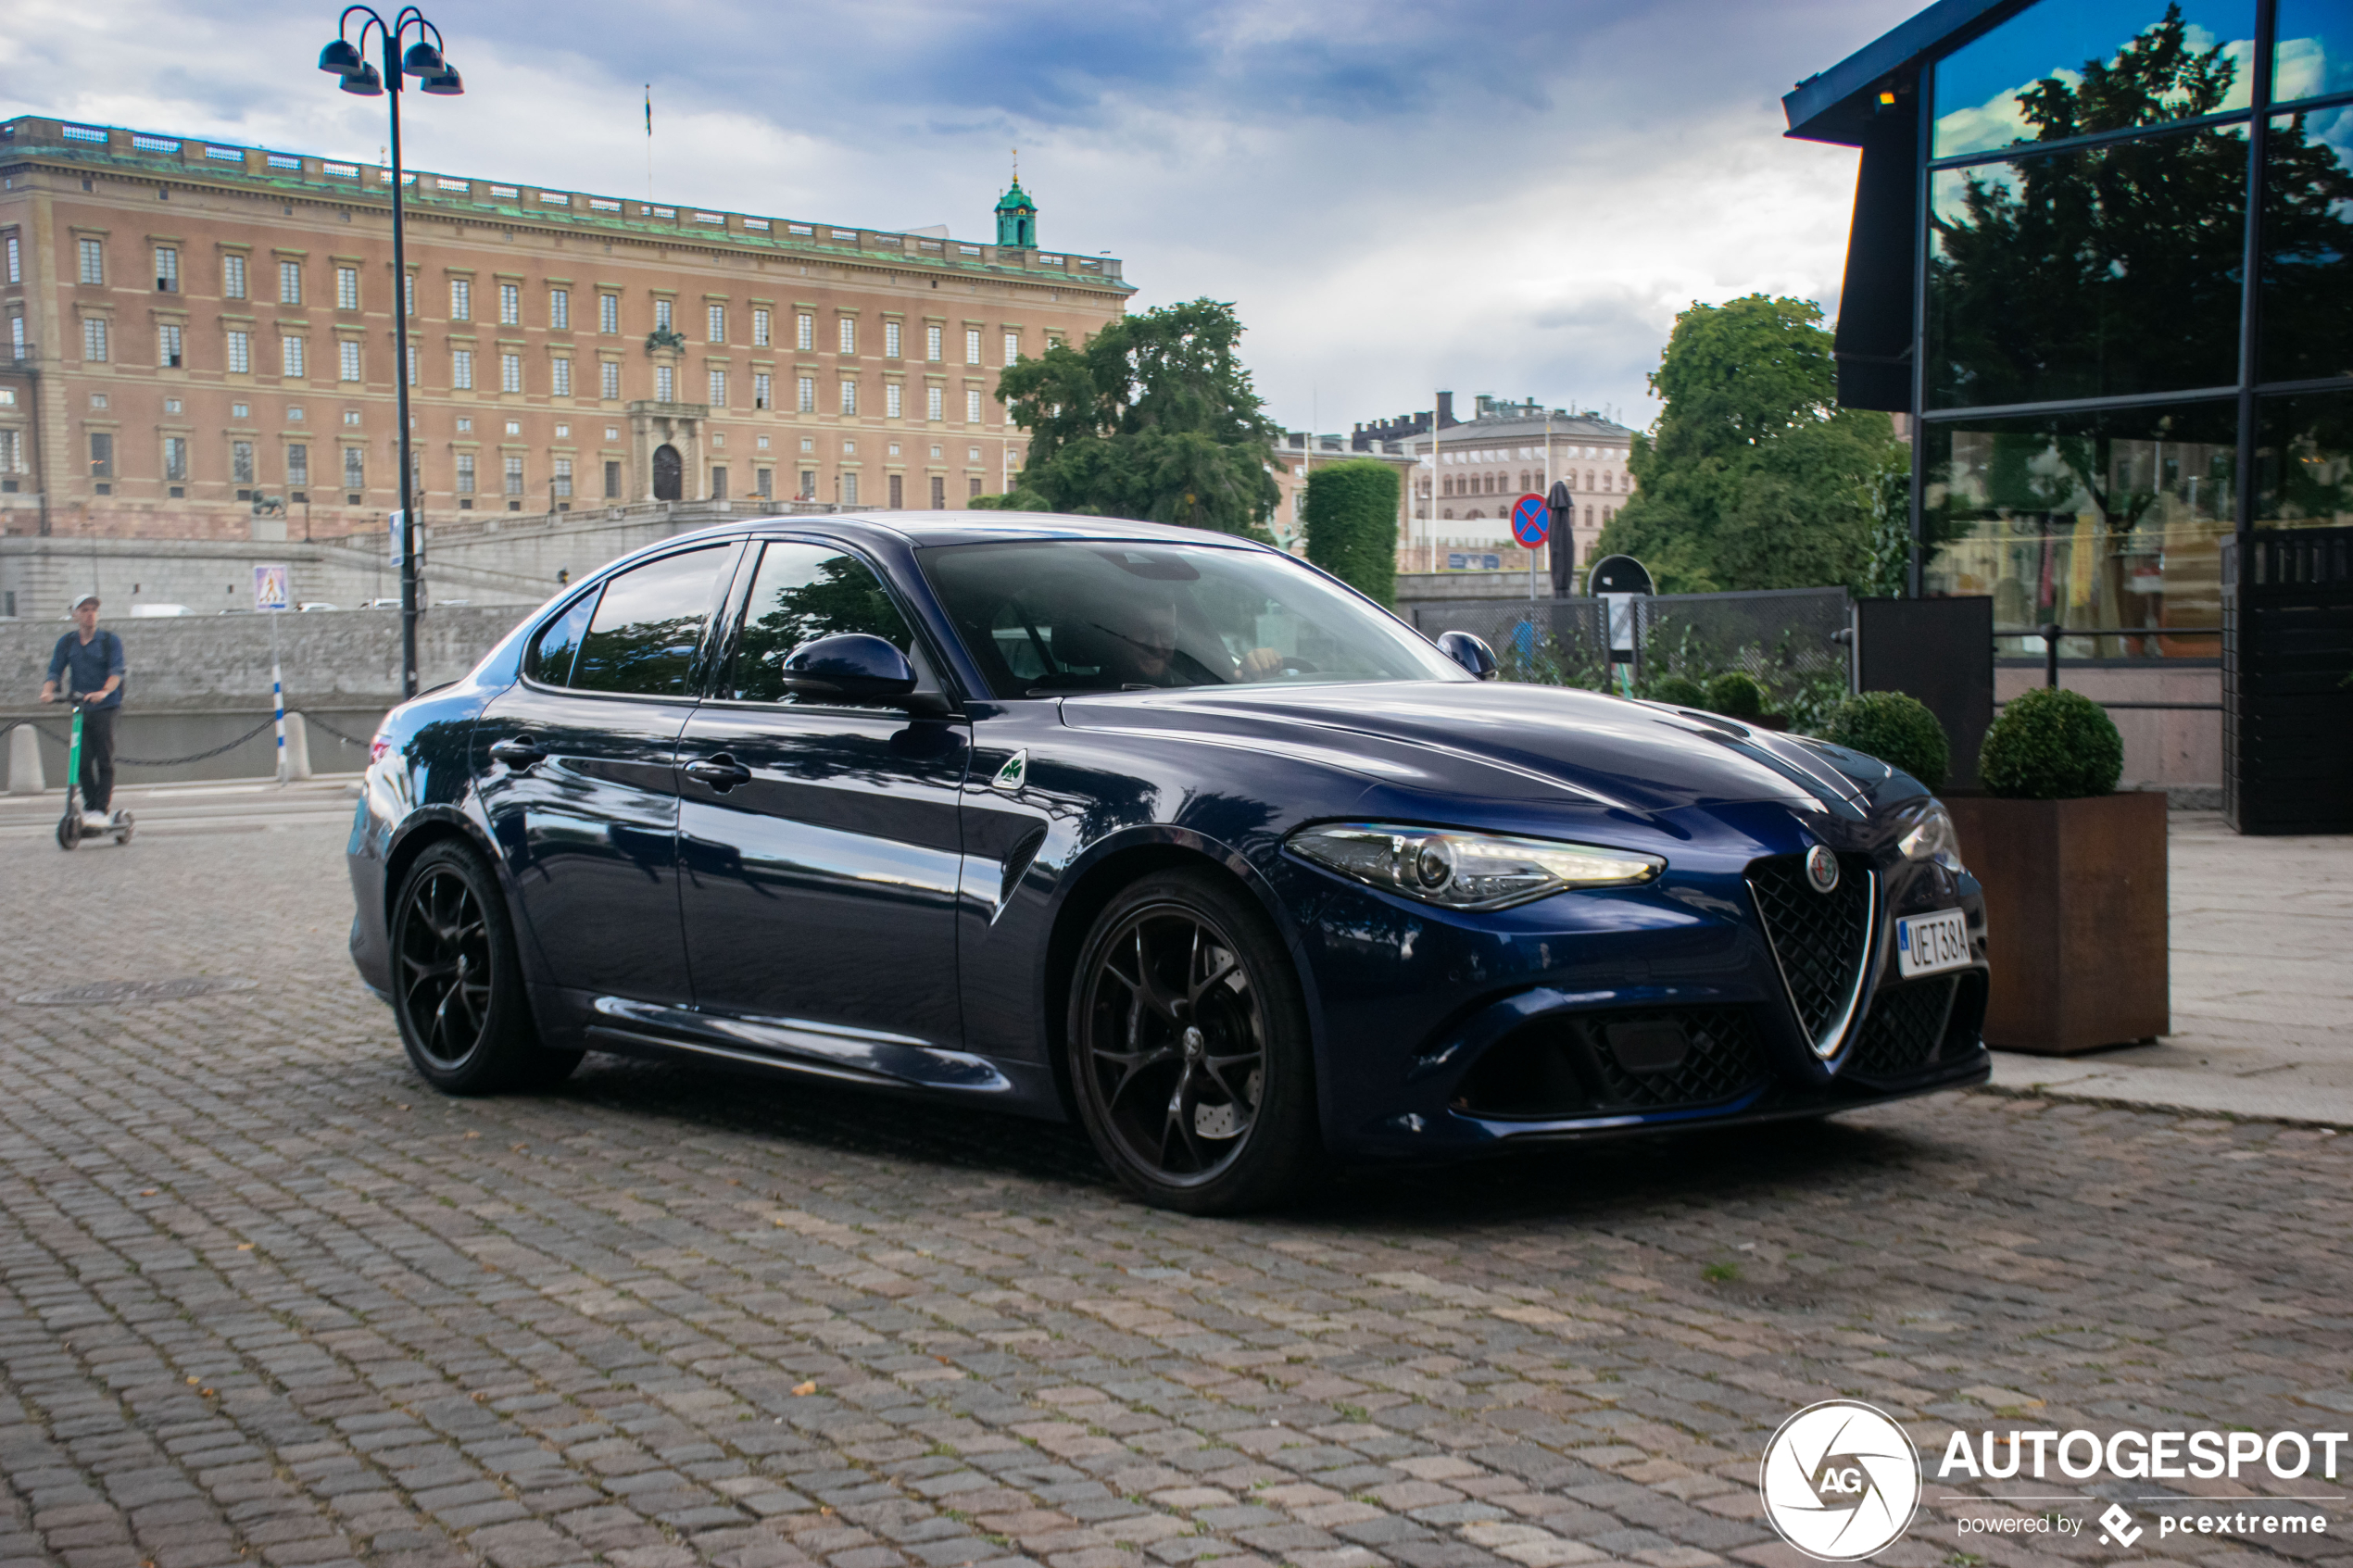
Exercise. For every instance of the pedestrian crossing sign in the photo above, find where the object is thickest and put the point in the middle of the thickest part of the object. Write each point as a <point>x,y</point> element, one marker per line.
<point>271,588</point>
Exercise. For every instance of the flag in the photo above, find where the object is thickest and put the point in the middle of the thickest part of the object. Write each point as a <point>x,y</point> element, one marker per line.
<point>650,108</point>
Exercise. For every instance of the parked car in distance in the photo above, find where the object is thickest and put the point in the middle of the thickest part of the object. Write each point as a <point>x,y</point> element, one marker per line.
<point>1160,830</point>
<point>158,611</point>
<point>309,605</point>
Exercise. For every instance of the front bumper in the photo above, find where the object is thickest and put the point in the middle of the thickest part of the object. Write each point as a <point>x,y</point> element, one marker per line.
<point>1623,1011</point>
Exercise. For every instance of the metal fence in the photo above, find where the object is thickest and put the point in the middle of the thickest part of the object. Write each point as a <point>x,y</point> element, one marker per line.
<point>1786,639</point>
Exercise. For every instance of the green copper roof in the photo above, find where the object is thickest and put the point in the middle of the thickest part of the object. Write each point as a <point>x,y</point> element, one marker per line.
<point>1016,200</point>
<point>141,154</point>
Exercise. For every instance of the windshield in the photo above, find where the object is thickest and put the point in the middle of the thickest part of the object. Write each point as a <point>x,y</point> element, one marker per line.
<point>1047,616</point>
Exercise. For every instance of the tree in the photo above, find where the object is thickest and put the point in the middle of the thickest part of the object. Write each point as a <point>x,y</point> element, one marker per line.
<point>1752,478</point>
<point>2112,269</point>
<point>1154,419</point>
<point>1351,517</point>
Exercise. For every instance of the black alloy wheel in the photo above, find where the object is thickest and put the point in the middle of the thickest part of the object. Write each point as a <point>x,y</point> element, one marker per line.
<point>1188,1047</point>
<point>457,987</point>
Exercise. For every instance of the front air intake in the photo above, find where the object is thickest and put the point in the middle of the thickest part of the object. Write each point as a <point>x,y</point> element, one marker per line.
<point>1822,941</point>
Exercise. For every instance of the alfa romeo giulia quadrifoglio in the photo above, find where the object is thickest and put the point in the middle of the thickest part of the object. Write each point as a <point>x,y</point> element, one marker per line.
<point>1166,832</point>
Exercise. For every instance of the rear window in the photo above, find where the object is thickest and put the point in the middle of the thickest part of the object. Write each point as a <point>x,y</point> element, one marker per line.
<point>647,624</point>
<point>552,651</point>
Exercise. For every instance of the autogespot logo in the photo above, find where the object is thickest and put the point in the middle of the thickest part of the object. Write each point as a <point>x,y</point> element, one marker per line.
<point>1840,1481</point>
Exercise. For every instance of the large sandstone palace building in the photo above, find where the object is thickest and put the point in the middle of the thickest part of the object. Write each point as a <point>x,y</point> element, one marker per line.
<point>200,345</point>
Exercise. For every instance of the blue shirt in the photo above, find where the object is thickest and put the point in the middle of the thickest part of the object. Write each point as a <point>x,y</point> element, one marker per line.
<point>90,662</point>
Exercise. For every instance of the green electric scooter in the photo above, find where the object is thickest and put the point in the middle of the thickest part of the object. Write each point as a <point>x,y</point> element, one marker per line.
<point>70,828</point>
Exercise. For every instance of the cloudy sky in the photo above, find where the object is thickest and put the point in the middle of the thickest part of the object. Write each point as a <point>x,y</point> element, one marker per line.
<point>1511,196</point>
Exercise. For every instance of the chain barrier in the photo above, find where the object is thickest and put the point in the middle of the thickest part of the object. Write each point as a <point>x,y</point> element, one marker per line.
<point>318,723</point>
<point>196,756</point>
<point>65,744</point>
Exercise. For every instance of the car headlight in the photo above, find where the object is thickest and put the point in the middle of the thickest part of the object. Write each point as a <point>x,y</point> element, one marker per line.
<point>1469,870</point>
<point>1931,837</point>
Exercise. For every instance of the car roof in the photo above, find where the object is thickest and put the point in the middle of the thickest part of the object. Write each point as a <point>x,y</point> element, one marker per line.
<point>923,530</point>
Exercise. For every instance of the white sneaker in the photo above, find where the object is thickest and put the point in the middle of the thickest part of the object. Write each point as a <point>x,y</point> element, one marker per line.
<point>95,822</point>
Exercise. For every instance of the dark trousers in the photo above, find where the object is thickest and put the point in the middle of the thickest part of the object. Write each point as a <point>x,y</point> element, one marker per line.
<point>97,756</point>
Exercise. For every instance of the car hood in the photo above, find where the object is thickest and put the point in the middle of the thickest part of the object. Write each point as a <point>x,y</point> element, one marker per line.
<point>1505,739</point>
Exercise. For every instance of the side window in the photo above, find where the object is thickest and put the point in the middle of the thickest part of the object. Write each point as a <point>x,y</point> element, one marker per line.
<point>643,636</point>
<point>551,652</point>
<point>800,591</point>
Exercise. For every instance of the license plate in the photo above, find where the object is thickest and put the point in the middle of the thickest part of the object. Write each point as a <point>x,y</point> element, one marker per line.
<point>1927,944</point>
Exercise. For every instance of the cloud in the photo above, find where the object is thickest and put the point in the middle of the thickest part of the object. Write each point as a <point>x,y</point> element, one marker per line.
<point>1512,195</point>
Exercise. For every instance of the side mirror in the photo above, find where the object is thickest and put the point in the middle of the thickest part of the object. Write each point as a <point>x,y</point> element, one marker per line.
<point>854,666</point>
<point>1472,653</point>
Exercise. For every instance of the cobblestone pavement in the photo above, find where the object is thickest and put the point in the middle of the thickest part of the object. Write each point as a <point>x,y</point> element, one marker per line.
<point>265,1298</point>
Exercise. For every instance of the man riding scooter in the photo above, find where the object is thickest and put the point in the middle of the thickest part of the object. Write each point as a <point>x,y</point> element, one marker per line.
<point>92,661</point>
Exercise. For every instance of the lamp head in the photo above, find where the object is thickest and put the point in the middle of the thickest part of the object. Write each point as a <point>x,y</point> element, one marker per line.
<point>445,83</point>
<point>423,60</point>
<point>365,81</point>
<point>342,56</point>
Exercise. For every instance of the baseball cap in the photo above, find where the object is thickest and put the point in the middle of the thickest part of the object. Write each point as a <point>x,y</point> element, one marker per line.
<point>85,599</point>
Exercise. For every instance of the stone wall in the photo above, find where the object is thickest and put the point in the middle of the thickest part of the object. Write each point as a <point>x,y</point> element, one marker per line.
<point>221,663</point>
<point>478,558</point>
<point>40,578</point>
<point>200,682</point>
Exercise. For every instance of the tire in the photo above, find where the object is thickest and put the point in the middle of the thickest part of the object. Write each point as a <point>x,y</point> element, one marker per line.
<point>70,828</point>
<point>1188,1048</point>
<point>457,985</point>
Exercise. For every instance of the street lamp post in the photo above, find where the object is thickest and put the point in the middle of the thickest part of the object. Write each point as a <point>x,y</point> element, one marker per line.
<point>345,59</point>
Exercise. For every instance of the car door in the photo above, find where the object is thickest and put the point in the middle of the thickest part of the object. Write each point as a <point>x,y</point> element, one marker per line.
<point>576,768</point>
<point>819,841</point>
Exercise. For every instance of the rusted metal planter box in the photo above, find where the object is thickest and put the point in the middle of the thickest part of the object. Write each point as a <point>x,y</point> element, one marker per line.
<point>2075,918</point>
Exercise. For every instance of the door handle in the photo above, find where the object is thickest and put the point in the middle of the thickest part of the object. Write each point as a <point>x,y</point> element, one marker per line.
<point>518,753</point>
<point>722,773</point>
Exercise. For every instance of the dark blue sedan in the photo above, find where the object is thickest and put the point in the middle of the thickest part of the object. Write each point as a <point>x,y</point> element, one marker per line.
<point>1163,830</point>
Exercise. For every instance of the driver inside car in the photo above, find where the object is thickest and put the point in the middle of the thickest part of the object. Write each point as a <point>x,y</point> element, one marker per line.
<point>1141,644</point>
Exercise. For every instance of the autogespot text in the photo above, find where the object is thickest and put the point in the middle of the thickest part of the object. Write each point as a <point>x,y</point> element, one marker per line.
<point>2141,1456</point>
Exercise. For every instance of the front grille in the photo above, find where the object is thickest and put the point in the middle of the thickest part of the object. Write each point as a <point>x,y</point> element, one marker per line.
<point>1819,939</point>
<point>1569,1066</point>
<point>1904,1028</point>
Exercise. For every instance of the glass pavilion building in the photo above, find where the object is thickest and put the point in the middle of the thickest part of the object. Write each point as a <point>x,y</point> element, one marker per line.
<point>2102,253</point>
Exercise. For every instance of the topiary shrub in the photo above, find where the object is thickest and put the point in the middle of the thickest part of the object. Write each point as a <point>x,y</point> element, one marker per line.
<point>1898,729</point>
<point>1349,513</point>
<point>2052,745</point>
<point>1680,690</point>
<point>1735,695</point>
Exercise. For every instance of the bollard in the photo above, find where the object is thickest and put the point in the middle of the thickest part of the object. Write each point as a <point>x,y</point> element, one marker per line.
<point>24,761</point>
<point>297,753</point>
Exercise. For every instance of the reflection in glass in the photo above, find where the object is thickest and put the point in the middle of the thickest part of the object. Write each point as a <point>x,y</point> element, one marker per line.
<point>2107,520</point>
<point>551,652</point>
<point>2069,67</point>
<point>2304,461</point>
<point>647,625</point>
<point>2103,273</point>
<point>2313,52</point>
<point>802,592</point>
<point>2308,246</point>
<point>1090,615</point>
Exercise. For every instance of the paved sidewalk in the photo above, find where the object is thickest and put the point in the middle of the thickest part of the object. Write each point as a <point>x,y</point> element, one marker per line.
<point>211,806</point>
<point>2262,987</point>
